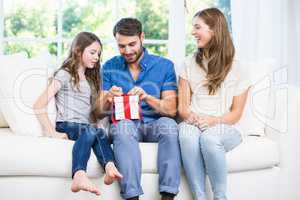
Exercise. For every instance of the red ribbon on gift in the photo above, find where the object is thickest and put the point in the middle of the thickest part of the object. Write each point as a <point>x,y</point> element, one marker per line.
<point>126,109</point>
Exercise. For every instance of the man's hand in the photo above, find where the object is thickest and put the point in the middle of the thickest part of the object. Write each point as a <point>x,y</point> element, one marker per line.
<point>138,91</point>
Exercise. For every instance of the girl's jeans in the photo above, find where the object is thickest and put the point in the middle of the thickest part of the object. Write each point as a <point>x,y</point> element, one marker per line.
<point>86,137</point>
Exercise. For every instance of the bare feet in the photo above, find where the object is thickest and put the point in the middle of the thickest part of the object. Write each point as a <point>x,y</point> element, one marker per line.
<point>82,182</point>
<point>112,173</point>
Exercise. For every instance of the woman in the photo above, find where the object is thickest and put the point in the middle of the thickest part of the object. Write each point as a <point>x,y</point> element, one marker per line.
<point>212,94</point>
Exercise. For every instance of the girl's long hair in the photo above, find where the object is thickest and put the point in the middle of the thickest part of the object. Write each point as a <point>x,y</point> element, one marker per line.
<point>219,51</point>
<point>72,63</point>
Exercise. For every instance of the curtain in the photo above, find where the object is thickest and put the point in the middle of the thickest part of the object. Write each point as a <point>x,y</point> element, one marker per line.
<point>268,29</point>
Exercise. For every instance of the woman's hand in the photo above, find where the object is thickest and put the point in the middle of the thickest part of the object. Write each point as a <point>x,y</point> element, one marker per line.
<point>202,122</point>
<point>192,119</point>
<point>205,122</point>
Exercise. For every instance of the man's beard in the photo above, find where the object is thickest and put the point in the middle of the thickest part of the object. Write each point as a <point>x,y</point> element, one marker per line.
<point>138,56</point>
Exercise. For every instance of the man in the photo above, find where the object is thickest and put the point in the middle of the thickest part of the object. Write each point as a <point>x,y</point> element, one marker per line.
<point>153,79</point>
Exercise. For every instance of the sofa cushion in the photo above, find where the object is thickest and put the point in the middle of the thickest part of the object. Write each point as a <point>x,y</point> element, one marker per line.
<point>40,156</point>
<point>22,81</point>
<point>252,154</point>
<point>5,131</point>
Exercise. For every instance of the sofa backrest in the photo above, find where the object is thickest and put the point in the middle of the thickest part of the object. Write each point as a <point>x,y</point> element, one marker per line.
<point>255,115</point>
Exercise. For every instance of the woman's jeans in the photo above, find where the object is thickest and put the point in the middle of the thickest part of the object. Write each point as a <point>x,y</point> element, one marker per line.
<point>86,137</point>
<point>203,153</point>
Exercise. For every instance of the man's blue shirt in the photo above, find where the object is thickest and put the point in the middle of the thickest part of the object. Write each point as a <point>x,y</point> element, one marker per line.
<point>157,74</point>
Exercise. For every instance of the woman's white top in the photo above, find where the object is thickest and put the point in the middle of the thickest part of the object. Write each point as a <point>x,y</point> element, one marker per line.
<point>235,83</point>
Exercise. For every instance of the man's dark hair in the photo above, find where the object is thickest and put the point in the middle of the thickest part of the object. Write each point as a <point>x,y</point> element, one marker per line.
<point>128,27</point>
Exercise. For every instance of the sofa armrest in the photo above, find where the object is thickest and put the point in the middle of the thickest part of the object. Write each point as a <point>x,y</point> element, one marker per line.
<point>285,127</point>
<point>288,137</point>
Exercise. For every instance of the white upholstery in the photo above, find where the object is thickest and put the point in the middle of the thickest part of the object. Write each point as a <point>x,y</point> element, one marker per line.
<point>253,120</point>
<point>255,153</point>
<point>22,80</point>
<point>5,131</point>
<point>50,188</point>
<point>255,184</point>
<point>26,161</point>
<point>261,168</point>
<point>39,156</point>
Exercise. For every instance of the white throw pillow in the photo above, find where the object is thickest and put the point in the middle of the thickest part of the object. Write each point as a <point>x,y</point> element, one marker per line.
<point>22,80</point>
<point>253,120</point>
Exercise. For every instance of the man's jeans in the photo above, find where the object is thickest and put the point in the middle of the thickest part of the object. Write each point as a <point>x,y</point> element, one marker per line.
<point>127,134</point>
<point>86,137</point>
<point>204,153</point>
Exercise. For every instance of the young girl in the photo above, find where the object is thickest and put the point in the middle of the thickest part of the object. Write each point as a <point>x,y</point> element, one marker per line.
<point>212,93</point>
<point>74,86</point>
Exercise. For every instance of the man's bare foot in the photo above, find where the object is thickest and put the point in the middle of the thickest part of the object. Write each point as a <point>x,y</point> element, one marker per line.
<point>82,182</point>
<point>112,173</point>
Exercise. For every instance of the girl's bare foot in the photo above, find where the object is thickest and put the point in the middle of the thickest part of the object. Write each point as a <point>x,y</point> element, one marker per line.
<point>112,173</point>
<point>82,182</point>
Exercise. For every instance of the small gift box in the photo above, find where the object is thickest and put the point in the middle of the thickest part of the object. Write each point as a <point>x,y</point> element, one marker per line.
<point>126,107</point>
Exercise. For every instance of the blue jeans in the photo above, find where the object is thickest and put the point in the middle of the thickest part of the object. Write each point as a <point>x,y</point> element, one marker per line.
<point>127,134</point>
<point>203,153</point>
<point>86,137</point>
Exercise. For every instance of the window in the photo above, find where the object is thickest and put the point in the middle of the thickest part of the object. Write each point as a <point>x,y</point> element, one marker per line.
<point>50,25</point>
<point>25,26</point>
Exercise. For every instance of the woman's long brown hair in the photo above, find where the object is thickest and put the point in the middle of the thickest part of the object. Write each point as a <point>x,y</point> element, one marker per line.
<point>219,51</point>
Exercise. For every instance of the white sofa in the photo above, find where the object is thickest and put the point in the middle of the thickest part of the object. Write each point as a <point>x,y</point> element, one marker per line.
<point>263,167</point>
